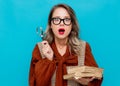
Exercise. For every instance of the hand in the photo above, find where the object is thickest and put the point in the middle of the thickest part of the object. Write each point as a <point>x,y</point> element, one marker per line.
<point>84,81</point>
<point>47,50</point>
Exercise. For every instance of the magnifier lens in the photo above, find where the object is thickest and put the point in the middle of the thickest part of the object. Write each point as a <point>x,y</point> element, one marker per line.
<point>39,32</point>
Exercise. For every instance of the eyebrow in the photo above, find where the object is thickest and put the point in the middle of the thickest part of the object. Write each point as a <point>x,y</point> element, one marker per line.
<point>60,17</point>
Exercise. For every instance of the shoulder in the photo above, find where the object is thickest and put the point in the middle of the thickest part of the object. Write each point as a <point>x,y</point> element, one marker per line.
<point>82,43</point>
<point>85,43</point>
<point>35,50</point>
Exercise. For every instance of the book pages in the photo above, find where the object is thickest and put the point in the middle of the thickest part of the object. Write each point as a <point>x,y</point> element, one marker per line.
<point>84,71</point>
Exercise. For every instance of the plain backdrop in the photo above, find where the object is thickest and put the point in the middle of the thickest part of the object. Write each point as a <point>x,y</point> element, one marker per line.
<point>99,22</point>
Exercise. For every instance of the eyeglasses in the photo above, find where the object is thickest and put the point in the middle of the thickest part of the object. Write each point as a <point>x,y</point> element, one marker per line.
<point>57,21</point>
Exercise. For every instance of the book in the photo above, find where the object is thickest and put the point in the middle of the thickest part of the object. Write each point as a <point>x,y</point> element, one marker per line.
<point>84,71</point>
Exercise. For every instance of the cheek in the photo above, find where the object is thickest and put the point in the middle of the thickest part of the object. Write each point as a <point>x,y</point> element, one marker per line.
<point>69,30</point>
<point>54,28</point>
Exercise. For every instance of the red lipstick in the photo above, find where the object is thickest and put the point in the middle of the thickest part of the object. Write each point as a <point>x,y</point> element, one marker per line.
<point>61,31</point>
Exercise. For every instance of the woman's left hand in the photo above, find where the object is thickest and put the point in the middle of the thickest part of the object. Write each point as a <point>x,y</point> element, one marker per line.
<point>84,81</point>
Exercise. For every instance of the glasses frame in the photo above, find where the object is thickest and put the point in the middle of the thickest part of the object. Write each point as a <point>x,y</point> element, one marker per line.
<point>52,19</point>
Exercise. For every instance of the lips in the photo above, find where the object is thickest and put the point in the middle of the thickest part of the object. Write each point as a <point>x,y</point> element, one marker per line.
<point>61,31</point>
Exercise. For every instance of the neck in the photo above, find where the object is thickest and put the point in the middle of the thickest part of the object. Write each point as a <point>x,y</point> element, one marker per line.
<point>61,42</point>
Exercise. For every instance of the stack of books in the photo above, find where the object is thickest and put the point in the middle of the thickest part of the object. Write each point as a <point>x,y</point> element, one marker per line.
<point>84,71</point>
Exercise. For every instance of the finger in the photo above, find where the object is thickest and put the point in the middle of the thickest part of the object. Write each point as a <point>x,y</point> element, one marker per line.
<point>45,49</point>
<point>82,81</point>
<point>44,43</point>
<point>92,78</point>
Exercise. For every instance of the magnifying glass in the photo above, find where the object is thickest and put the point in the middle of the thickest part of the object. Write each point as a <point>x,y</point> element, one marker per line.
<point>39,32</point>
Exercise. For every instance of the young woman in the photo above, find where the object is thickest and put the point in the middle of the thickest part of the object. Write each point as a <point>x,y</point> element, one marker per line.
<point>60,50</point>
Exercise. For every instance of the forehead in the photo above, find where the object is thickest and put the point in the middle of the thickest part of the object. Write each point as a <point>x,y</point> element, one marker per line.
<point>60,12</point>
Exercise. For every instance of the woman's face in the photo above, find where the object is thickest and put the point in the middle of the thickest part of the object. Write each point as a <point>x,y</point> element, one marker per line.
<point>61,28</point>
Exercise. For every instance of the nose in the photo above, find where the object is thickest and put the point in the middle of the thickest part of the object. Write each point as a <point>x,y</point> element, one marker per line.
<point>62,22</point>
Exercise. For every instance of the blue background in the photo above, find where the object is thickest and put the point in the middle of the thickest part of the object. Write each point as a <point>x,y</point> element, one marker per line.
<point>99,22</point>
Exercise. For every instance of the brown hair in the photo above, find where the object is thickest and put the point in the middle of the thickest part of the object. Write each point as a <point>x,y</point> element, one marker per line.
<point>73,38</point>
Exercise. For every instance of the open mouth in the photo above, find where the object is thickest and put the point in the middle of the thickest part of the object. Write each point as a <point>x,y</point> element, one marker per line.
<point>61,31</point>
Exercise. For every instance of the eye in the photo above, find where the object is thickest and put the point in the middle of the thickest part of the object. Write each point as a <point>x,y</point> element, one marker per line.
<point>56,19</point>
<point>67,19</point>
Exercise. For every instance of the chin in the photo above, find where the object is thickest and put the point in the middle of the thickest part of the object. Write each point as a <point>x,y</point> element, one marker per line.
<point>62,37</point>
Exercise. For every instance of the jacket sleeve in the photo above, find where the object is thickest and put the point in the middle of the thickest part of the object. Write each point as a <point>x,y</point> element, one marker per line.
<point>41,70</point>
<point>90,61</point>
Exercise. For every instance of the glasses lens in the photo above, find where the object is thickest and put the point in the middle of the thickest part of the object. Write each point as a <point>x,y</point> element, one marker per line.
<point>56,20</point>
<point>67,21</point>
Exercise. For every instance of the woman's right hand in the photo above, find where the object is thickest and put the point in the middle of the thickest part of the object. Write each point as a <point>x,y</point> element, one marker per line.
<point>84,81</point>
<point>47,50</point>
